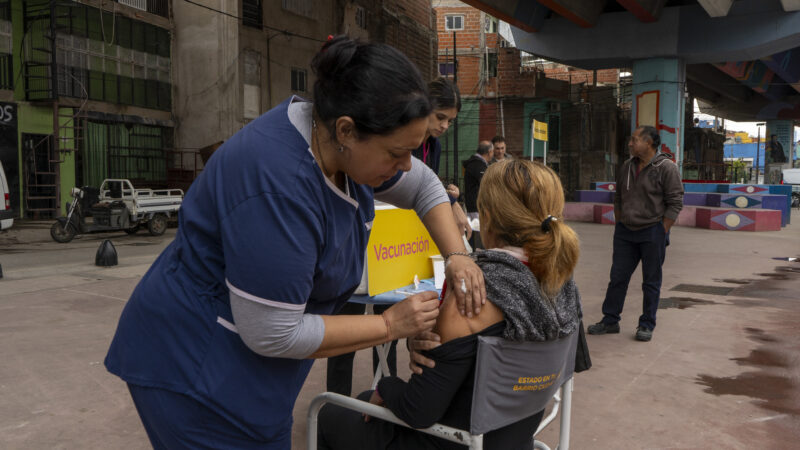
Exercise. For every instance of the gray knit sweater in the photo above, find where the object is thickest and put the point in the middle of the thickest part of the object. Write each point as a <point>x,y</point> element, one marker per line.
<point>529,315</point>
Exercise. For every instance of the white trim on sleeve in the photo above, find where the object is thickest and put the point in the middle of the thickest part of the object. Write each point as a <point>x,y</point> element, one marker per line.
<point>264,301</point>
<point>227,324</point>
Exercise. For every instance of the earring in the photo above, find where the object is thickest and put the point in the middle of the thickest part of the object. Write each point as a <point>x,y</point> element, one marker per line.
<point>341,149</point>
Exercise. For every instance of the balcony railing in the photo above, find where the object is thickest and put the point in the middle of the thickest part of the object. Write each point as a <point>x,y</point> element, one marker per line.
<point>158,7</point>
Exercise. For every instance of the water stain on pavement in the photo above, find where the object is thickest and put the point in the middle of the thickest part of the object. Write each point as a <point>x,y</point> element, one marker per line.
<point>758,335</point>
<point>732,281</point>
<point>771,386</point>
<point>682,302</point>
<point>774,276</point>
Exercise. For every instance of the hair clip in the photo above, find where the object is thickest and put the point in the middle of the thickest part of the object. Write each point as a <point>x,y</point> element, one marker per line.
<point>546,223</point>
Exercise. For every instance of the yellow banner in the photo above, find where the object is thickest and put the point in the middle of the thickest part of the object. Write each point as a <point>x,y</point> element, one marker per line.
<point>399,247</point>
<point>540,130</point>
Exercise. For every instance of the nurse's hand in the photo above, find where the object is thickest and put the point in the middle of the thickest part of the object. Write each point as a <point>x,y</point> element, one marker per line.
<point>413,315</point>
<point>465,278</point>
<point>426,340</point>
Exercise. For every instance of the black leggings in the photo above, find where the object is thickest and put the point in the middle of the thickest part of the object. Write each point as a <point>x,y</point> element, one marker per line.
<point>345,429</point>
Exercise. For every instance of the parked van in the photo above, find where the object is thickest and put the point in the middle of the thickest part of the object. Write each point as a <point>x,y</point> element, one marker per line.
<point>6,213</point>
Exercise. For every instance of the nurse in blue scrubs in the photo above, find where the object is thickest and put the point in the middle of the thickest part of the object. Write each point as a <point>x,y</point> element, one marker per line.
<point>218,337</point>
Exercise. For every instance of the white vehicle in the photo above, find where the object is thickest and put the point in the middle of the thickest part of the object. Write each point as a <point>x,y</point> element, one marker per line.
<point>6,213</point>
<point>792,177</point>
<point>117,206</point>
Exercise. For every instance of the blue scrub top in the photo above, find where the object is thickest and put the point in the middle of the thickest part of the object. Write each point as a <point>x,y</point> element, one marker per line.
<point>261,219</point>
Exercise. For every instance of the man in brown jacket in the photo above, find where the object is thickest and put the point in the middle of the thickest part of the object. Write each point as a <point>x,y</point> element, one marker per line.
<point>648,198</point>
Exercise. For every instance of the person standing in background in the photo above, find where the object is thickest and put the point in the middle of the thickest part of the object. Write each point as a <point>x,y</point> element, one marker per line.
<point>474,169</point>
<point>647,201</point>
<point>499,149</point>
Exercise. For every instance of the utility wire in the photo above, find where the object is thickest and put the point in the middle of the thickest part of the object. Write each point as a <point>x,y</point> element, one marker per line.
<point>265,27</point>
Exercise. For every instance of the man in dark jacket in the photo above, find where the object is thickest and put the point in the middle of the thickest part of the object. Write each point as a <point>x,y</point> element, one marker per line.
<point>474,168</point>
<point>647,201</point>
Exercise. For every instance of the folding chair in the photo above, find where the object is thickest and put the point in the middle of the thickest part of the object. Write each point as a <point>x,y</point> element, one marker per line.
<point>513,380</point>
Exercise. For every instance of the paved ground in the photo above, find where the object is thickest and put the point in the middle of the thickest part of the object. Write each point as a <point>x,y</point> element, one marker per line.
<point>722,371</point>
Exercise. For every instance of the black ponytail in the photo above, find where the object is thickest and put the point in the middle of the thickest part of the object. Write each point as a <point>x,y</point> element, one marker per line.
<point>374,84</point>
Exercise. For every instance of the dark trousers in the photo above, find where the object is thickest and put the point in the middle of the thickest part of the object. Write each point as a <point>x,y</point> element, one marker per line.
<point>176,421</point>
<point>340,368</point>
<point>647,245</point>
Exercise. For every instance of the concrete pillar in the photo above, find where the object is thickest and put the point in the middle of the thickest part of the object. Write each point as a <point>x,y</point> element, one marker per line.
<point>777,149</point>
<point>658,100</point>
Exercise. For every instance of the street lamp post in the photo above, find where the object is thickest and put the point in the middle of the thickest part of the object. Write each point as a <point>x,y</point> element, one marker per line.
<point>758,150</point>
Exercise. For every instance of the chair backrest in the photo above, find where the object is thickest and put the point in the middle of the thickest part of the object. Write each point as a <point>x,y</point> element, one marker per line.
<point>514,380</point>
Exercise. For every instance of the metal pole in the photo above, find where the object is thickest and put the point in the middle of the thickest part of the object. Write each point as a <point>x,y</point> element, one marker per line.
<point>758,150</point>
<point>447,137</point>
<point>455,122</point>
<point>566,414</point>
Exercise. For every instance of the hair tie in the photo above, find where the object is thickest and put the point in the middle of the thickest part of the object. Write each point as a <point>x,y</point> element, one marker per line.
<point>546,223</point>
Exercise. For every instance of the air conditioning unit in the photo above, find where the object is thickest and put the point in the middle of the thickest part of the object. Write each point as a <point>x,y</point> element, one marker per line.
<point>553,107</point>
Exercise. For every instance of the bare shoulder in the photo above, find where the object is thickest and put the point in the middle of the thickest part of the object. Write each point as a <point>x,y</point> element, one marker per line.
<point>452,325</point>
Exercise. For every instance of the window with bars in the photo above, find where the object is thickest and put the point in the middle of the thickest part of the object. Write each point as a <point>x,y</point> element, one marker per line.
<point>446,69</point>
<point>453,22</point>
<point>490,25</point>
<point>361,17</point>
<point>112,58</point>
<point>252,13</point>
<point>6,59</point>
<point>125,150</point>
<point>158,7</point>
<point>490,61</point>
<point>299,79</point>
<point>89,68</point>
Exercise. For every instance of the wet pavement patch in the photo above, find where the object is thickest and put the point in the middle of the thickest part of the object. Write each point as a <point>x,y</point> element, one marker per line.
<point>703,289</point>
<point>771,385</point>
<point>764,358</point>
<point>770,391</point>
<point>774,276</point>
<point>732,281</point>
<point>682,302</point>
<point>758,335</point>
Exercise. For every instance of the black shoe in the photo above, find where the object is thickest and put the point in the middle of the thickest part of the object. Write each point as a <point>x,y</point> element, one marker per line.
<point>603,328</point>
<point>644,334</point>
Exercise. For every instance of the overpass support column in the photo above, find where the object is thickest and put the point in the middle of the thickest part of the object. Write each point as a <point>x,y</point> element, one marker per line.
<point>659,101</point>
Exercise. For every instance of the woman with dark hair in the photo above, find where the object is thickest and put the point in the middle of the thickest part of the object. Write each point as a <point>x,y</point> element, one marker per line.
<point>220,334</point>
<point>532,297</point>
<point>446,104</point>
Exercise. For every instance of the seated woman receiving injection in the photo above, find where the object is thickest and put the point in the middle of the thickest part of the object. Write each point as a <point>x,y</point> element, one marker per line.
<point>531,297</point>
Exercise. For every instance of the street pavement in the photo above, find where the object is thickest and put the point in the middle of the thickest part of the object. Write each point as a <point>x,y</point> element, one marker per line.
<point>722,370</point>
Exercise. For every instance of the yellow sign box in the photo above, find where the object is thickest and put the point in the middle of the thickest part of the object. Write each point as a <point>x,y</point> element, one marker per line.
<point>540,130</point>
<point>399,247</point>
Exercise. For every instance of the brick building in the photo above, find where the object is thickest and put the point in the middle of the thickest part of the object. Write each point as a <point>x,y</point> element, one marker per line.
<point>499,95</point>
<point>504,90</point>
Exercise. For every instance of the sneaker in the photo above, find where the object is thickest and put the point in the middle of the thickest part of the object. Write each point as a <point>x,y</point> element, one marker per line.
<point>643,334</point>
<point>603,328</point>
